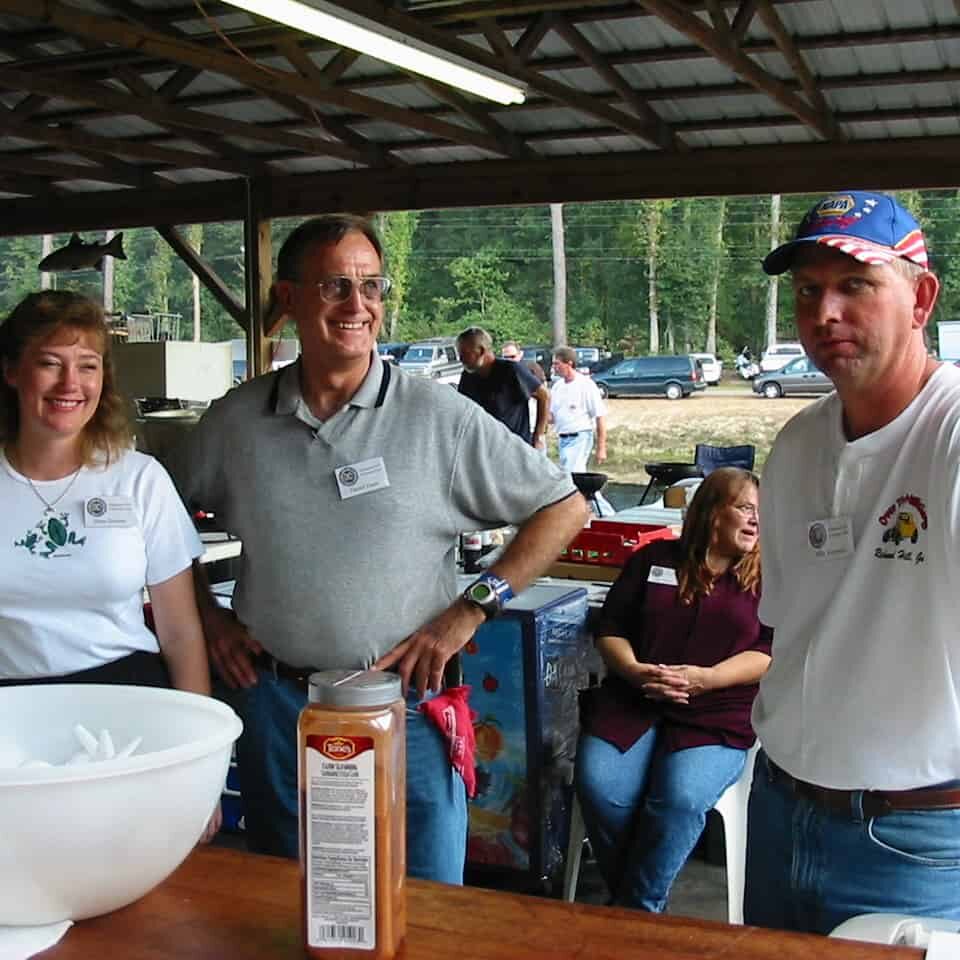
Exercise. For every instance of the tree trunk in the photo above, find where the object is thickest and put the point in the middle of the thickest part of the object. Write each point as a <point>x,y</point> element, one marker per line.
<point>46,279</point>
<point>715,286</point>
<point>108,277</point>
<point>195,238</point>
<point>772,287</point>
<point>559,276</point>
<point>653,303</point>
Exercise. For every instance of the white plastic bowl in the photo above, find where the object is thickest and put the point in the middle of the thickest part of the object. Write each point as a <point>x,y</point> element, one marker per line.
<point>82,840</point>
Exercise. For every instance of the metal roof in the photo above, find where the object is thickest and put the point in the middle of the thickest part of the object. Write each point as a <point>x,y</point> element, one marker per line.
<point>129,110</point>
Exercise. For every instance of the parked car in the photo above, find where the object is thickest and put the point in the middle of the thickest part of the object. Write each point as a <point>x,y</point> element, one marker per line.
<point>798,376</point>
<point>778,355</point>
<point>392,351</point>
<point>712,367</point>
<point>541,354</point>
<point>587,356</point>
<point>673,377</point>
<point>437,359</point>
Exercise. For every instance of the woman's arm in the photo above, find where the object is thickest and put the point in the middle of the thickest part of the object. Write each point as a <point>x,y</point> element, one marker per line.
<point>179,632</point>
<point>682,681</point>
<point>620,659</point>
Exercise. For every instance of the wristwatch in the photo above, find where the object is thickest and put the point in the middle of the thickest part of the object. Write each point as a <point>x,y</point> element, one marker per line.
<point>489,593</point>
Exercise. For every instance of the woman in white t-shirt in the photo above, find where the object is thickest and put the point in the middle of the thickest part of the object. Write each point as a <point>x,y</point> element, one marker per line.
<point>87,521</point>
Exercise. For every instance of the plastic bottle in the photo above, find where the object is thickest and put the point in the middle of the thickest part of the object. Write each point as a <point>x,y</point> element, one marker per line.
<point>472,551</point>
<point>352,776</point>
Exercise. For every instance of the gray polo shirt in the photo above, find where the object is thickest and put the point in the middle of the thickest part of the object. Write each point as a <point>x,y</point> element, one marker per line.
<point>328,581</point>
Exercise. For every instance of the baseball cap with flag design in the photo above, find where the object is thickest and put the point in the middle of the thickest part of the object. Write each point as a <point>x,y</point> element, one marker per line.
<point>870,227</point>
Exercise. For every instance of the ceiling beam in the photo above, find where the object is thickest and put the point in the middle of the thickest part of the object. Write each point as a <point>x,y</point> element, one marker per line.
<point>204,272</point>
<point>808,82</point>
<point>660,134</point>
<point>698,31</point>
<point>741,20</point>
<point>269,83</point>
<point>169,116</point>
<point>788,168</point>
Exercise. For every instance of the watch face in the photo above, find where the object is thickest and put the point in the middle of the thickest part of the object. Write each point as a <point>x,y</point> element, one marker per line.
<point>482,592</point>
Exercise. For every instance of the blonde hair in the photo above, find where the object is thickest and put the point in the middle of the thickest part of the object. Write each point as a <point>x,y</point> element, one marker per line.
<point>717,491</point>
<point>38,318</point>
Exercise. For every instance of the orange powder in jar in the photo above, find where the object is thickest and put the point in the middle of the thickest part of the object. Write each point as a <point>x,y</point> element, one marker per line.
<point>352,776</point>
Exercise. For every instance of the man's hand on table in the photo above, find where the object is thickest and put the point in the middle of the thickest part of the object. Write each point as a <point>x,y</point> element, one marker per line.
<point>420,658</point>
<point>231,646</point>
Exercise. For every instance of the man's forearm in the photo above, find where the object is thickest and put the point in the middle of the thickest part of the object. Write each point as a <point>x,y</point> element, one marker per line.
<point>542,397</point>
<point>539,541</point>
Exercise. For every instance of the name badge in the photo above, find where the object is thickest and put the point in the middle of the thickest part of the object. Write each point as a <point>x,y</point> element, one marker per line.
<point>109,512</point>
<point>363,477</point>
<point>831,538</point>
<point>666,576</point>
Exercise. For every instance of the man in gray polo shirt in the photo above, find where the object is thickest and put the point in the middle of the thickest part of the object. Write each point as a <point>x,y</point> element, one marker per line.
<point>349,482</point>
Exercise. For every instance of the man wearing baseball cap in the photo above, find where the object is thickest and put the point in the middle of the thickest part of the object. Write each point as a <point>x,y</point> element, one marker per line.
<point>855,805</point>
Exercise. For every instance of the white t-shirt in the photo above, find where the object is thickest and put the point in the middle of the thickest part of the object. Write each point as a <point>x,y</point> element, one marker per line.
<point>575,405</point>
<point>71,594</point>
<point>864,688</point>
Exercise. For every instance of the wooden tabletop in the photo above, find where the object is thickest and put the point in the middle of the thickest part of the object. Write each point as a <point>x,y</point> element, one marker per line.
<point>225,905</point>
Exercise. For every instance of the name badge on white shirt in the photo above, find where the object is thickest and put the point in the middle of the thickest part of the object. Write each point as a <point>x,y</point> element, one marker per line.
<point>831,538</point>
<point>362,477</point>
<point>115,511</point>
<point>666,576</point>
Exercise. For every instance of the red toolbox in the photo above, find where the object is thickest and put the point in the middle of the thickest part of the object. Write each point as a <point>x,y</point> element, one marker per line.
<point>610,543</point>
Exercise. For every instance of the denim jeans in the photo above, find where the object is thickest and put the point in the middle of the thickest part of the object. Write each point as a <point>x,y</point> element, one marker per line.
<point>574,452</point>
<point>809,870</point>
<point>267,770</point>
<point>645,809</point>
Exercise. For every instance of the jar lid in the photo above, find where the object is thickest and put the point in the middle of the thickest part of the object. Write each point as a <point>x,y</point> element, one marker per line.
<point>354,688</point>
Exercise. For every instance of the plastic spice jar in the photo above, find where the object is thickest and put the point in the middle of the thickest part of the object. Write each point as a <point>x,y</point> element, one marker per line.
<point>352,774</point>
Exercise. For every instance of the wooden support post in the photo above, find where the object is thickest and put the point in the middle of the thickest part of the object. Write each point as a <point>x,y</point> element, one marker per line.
<point>259,268</point>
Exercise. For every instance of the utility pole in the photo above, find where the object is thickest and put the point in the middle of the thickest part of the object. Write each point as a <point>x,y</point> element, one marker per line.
<point>559,276</point>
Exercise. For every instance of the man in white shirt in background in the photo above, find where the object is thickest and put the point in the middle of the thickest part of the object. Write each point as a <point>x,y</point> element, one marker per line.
<point>576,412</point>
<point>855,805</point>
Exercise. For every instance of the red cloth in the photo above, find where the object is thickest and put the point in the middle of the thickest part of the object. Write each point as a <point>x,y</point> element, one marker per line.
<point>452,715</point>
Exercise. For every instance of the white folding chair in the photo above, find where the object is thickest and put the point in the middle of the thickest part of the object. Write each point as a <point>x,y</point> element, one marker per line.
<point>732,807</point>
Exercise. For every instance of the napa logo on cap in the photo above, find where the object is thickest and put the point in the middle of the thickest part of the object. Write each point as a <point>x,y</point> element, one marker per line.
<point>338,748</point>
<point>838,205</point>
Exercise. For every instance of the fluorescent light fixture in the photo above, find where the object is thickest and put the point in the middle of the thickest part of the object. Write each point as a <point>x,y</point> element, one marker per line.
<point>348,29</point>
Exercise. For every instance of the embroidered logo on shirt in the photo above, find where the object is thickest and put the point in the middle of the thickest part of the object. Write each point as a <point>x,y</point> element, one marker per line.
<point>903,523</point>
<point>50,537</point>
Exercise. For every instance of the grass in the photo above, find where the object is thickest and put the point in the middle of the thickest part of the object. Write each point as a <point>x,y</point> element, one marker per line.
<point>643,431</point>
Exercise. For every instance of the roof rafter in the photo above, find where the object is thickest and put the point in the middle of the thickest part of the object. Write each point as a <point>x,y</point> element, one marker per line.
<point>693,27</point>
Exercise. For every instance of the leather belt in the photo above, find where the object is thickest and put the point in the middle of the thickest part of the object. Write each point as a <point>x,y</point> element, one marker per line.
<point>298,675</point>
<point>872,803</point>
<point>566,436</point>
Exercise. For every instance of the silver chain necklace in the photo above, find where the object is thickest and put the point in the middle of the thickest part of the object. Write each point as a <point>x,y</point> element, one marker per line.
<point>48,503</point>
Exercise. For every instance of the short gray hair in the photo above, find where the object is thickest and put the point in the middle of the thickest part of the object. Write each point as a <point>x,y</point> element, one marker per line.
<point>476,335</point>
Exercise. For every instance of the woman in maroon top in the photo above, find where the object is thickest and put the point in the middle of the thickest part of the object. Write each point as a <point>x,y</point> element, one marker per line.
<point>668,730</point>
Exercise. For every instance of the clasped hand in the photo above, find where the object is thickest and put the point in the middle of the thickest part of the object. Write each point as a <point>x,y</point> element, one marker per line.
<point>673,683</point>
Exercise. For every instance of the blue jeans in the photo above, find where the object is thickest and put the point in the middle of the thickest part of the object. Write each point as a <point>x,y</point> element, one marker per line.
<point>645,809</point>
<point>574,452</point>
<point>809,870</point>
<point>267,769</point>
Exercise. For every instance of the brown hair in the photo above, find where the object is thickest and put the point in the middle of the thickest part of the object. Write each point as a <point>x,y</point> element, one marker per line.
<point>566,354</point>
<point>717,491</point>
<point>37,318</point>
<point>320,231</point>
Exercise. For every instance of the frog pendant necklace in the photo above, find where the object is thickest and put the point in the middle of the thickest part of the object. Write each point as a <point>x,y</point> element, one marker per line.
<point>48,504</point>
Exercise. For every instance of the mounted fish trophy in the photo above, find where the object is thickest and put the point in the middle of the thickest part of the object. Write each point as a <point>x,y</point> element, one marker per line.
<point>79,255</point>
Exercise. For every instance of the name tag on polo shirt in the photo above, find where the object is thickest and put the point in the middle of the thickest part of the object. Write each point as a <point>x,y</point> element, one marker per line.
<point>108,512</point>
<point>666,576</point>
<point>366,476</point>
<point>831,538</point>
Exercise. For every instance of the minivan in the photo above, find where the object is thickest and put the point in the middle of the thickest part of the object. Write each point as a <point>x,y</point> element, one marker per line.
<point>437,359</point>
<point>779,355</point>
<point>672,377</point>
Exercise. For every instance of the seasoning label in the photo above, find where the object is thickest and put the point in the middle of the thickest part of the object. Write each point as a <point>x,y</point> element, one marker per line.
<point>341,864</point>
